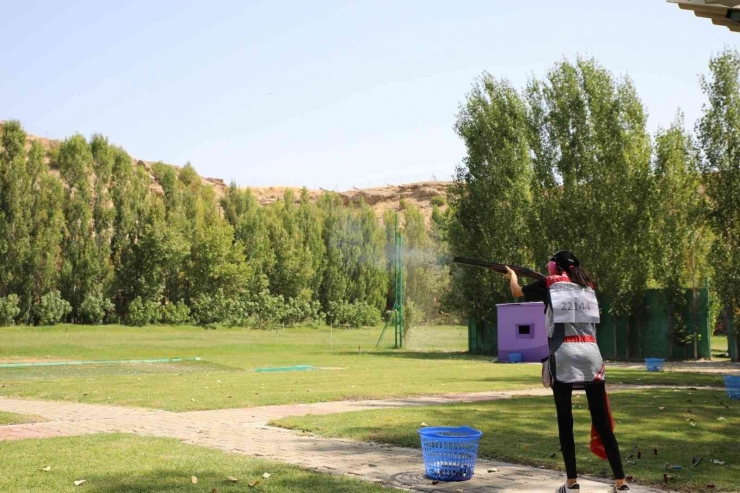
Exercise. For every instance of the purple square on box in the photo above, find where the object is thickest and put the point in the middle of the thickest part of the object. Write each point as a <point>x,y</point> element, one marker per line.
<point>521,329</point>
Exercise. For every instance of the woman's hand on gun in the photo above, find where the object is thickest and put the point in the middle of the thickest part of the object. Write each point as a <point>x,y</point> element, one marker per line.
<point>516,290</point>
<point>510,274</point>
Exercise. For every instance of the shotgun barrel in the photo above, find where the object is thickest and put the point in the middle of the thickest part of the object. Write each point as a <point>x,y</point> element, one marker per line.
<point>520,271</point>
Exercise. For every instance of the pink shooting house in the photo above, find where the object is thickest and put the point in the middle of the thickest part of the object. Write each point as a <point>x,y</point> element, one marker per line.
<point>522,330</point>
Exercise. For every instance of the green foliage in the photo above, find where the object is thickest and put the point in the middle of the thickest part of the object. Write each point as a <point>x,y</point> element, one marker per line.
<point>355,268</point>
<point>426,279</point>
<point>439,201</point>
<point>212,308</point>
<point>680,250</point>
<point>591,148</point>
<point>490,199</point>
<point>84,265</point>
<point>141,313</point>
<point>95,308</point>
<point>413,316</point>
<point>9,310</point>
<point>719,137</point>
<point>51,309</point>
<point>302,311</point>
<point>265,310</point>
<point>358,314</point>
<point>18,172</point>
<point>293,270</point>
<point>566,163</point>
<point>174,313</point>
<point>569,165</point>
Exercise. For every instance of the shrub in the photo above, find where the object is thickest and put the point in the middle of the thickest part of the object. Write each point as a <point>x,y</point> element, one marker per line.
<point>174,313</point>
<point>357,314</point>
<point>95,308</point>
<point>265,310</point>
<point>208,309</point>
<point>142,313</point>
<point>9,310</point>
<point>299,310</point>
<point>439,200</point>
<point>51,309</point>
<point>412,317</point>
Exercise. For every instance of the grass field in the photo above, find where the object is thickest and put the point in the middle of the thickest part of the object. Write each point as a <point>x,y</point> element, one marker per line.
<point>225,377</point>
<point>129,464</point>
<point>524,431</point>
<point>17,419</point>
<point>719,348</point>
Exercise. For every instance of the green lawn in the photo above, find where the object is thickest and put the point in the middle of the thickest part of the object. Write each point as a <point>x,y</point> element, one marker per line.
<point>129,464</point>
<point>719,347</point>
<point>17,419</point>
<point>524,431</point>
<point>225,377</point>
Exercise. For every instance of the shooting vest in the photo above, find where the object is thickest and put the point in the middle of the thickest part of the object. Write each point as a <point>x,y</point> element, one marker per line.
<point>571,316</point>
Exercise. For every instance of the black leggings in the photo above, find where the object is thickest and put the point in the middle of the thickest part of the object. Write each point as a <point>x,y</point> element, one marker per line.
<point>596,395</point>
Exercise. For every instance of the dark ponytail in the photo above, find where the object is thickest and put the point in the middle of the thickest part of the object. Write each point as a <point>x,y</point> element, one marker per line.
<point>580,276</point>
<point>568,263</point>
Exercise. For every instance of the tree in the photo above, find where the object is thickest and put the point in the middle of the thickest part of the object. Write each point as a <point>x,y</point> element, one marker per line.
<point>102,213</point>
<point>425,278</point>
<point>249,221</point>
<point>490,199</point>
<point>678,211</point>
<point>31,221</point>
<point>41,273</point>
<point>15,208</point>
<point>135,274</point>
<point>83,268</point>
<point>719,137</point>
<point>591,162</point>
<point>292,273</point>
<point>335,283</point>
<point>355,266</point>
<point>215,264</point>
<point>309,227</point>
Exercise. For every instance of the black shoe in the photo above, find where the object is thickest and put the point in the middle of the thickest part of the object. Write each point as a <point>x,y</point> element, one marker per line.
<point>568,489</point>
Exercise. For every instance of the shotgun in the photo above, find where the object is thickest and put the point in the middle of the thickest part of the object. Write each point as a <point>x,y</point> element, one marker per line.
<point>520,271</point>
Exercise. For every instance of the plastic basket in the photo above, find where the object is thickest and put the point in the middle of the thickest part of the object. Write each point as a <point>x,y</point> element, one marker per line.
<point>654,364</point>
<point>732,384</point>
<point>449,453</point>
<point>515,357</point>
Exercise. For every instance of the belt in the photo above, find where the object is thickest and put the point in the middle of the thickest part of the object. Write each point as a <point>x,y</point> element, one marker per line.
<point>580,339</point>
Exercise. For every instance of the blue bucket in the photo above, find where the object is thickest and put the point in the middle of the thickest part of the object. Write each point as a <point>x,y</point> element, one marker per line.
<point>732,384</point>
<point>450,453</point>
<point>515,357</point>
<point>654,364</point>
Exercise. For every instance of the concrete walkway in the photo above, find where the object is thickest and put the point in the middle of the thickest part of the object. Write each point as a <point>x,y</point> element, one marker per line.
<point>246,431</point>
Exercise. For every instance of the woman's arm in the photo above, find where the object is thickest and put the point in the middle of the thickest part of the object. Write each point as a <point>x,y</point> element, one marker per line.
<point>516,290</point>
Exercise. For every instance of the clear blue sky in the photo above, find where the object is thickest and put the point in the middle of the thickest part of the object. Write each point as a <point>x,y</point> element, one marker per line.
<point>320,93</point>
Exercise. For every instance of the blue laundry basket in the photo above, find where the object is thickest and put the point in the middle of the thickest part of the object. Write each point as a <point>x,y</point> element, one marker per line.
<point>515,357</point>
<point>654,364</point>
<point>450,453</point>
<point>732,384</point>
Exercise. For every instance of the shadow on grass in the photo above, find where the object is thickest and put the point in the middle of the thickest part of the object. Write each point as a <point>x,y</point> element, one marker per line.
<point>524,431</point>
<point>425,355</point>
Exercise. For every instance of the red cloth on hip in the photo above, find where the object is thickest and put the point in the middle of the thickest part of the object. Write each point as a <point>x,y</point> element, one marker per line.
<point>597,446</point>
